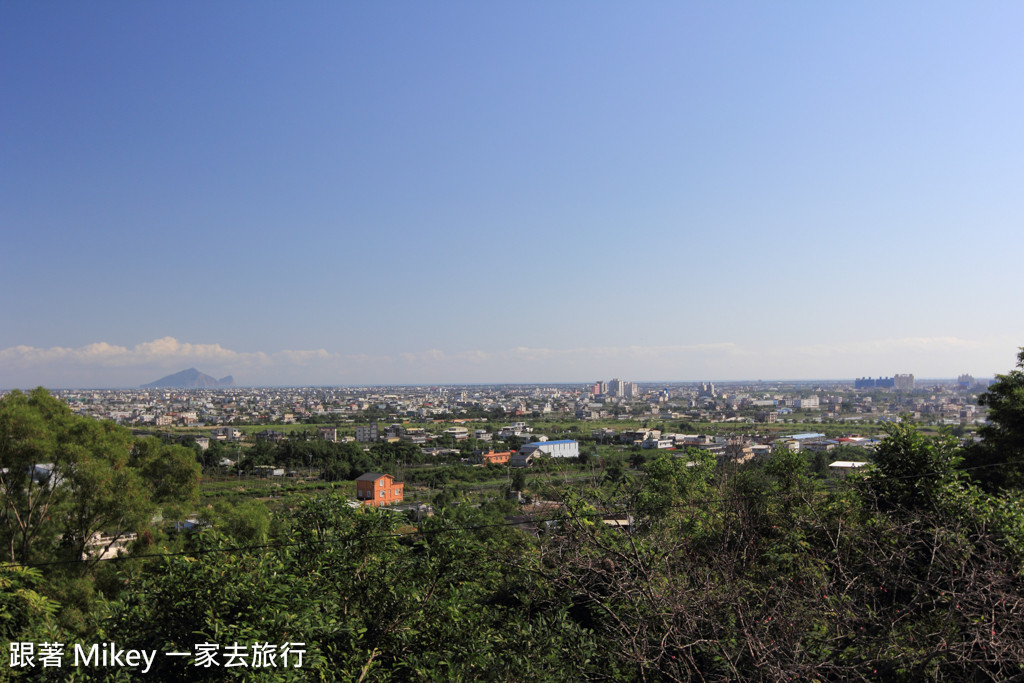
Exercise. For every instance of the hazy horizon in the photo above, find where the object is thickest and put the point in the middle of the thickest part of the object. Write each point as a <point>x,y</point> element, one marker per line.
<point>578,383</point>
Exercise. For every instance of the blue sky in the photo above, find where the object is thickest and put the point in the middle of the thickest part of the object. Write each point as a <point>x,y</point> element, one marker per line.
<point>349,193</point>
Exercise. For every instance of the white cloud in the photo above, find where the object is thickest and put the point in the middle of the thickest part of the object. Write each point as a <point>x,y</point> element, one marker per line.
<point>104,364</point>
<point>304,357</point>
<point>104,354</point>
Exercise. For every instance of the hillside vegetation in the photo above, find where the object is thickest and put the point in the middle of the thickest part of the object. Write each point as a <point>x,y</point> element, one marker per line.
<point>909,571</point>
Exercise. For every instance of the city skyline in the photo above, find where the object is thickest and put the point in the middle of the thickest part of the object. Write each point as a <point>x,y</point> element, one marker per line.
<point>167,356</point>
<point>458,193</point>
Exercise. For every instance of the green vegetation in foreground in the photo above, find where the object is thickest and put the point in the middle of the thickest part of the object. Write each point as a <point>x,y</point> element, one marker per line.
<point>909,571</point>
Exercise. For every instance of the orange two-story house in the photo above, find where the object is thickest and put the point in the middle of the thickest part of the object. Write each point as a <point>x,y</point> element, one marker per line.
<point>374,488</point>
<point>493,458</point>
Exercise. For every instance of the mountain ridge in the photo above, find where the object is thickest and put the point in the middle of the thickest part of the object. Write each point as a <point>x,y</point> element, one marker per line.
<point>190,379</point>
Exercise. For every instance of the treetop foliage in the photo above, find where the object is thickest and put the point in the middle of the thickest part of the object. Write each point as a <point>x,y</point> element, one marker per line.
<point>65,478</point>
<point>1003,434</point>
<point>684,569</point>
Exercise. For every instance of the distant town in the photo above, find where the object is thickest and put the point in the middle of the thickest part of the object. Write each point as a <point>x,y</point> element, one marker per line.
<point>862,401</point>
<point>584,481</point>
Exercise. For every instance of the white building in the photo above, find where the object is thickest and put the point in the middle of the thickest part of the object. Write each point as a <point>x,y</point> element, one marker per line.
<point>903,382</point>
<point>515,429</point>
<point>842,468</point>
<point>457,433</point>
<point>565,448</point>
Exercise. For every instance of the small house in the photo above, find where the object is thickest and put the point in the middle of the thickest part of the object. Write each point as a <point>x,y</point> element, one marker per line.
<point>376,489</point>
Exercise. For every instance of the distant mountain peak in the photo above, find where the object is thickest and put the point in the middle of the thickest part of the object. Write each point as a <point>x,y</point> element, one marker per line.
<point>190,379</point>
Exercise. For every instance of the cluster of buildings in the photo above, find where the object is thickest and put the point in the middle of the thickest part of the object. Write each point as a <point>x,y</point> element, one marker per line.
<point>377,488</point>
<point>616,388</point>
<point>735,447</point>
<point>247,406</point>
<point>499,413</point>
<point>374,488</point>
<point>897,382</point>
<point>864,398</point>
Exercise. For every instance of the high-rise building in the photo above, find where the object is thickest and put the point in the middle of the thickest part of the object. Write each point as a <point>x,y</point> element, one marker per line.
<point>903,382</point>
<point>869,383</point>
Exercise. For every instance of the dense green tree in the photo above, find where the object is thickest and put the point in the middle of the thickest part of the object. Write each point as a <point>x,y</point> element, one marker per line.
<point>614,473</point>
<point>246,523</point>
<point>31,466</point>
<point>458,601</point>
<point>64,481</point>
<point>99,490</point>
<point>788,468</point>
<point>170,472</point>
<point>672,480</point>
<point>25,613</point>
<point>998,462</point>
<point>64,478</point>
<point>211,457</point>
<point>851,453</point>
<point>912,470</point>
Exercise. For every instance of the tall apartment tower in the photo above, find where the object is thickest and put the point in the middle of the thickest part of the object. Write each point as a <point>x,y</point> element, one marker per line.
<point>903,382</point>
<point>616,387</point>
